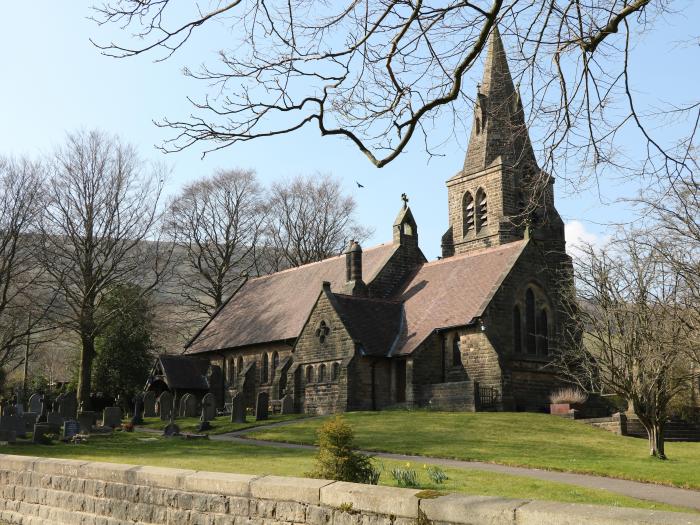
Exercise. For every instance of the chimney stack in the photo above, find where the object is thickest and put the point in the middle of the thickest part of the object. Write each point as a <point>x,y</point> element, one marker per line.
<point>353,270</point>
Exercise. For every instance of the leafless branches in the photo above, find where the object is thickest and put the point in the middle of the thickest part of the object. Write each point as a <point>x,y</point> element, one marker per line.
<point>217,222</point>
<point>22,306</point>
<point>630,333</point>
<point>309,220</point>
<point>101,209</point>
<point>377,72</point>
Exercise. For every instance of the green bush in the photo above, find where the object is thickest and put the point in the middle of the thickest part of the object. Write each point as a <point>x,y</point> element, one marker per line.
<point>338,460</point>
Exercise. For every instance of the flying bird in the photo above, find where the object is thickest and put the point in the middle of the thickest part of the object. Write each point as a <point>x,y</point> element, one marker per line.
<point>359,185</point>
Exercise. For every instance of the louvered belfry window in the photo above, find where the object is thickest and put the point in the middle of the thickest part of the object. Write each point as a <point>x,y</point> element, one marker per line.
<point>468,213</point>
<point>482,214</point>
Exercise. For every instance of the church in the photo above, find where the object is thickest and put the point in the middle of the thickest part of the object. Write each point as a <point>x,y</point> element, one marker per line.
<point>382,327</point>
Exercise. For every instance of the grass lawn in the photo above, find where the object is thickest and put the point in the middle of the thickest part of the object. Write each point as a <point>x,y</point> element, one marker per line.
<point>532,440</point>
<point>143,449</point>
<point>220,425</point>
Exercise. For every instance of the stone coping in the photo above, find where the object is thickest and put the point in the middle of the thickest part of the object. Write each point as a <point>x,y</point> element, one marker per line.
<point>387,501</point>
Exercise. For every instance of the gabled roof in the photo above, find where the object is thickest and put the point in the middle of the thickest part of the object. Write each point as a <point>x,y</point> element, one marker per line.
<point>373,323</point>
<point>275,307</point>
<point>183,372</point>
<point>453,291</point>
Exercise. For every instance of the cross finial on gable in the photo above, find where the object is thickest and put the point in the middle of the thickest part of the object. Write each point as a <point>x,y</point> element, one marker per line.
<point>404,198</point>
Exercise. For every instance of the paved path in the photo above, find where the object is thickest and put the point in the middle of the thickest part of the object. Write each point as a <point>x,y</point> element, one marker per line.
<point>646,491</point>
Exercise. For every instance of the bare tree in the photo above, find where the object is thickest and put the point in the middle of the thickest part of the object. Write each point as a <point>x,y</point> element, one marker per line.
<point>309,220</point>
<point>217,223</point>
<point>22,305</point>
<point>630,331</point>
<point>379,73</point>
<point>99,231</point>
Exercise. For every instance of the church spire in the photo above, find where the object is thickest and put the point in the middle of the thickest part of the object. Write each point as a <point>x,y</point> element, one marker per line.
<point>499,128</point>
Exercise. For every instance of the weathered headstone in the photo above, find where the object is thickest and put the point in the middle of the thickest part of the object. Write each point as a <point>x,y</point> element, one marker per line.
<point>70,428</point>
<point>8,436</point>
<point>165,406</point>
<point>149,404</point>
<point>171,429</point>
<point>287,404</point>
<point>35,403</point>
<point>137,418</point>
<point>68,405</point>
<point>208,407</point>
<point>55,421</point>
<point>86,420</point>
<point>112,417</point>
<point>29,419</point>
<point>12,423</point>
<point>188,406</point>
<point>262,406</point>
<point>237,409</point>
<point>40,432</point>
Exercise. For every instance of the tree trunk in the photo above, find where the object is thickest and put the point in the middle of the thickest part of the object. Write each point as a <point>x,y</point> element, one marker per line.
<point>87,354</point>
<point>655,433</point>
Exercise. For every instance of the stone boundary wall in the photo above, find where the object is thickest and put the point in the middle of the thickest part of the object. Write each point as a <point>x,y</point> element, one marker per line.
<point>457,395</point>
<point>36,491</point>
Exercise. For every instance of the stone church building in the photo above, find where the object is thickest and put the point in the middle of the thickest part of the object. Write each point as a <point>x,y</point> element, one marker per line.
<point>383,327</point>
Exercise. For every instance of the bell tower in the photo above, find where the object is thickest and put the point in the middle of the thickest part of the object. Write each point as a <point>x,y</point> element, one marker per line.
<point>500,194</point>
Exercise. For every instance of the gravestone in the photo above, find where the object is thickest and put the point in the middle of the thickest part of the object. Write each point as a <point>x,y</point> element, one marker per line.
<point>137,419</point>
<point>261,406</point>
<point>40,432</point>
<point>171,429</point>
<point>55,421</point>
<point>149,404</point>
<point>36,403</point>
<point>237,409</point>
<point>11,423</point>
<point>188,406</point>
<point>8,436</point>
<point>16,423</point>
<point>112,417</point>
<point>287,404</point>
<point>70,428</point>
<point>43,415</point>
<point>68,405</point>
<point>208,407</point>
<point>165,406</point>
<point>29,419</point>
<point>87,420</point>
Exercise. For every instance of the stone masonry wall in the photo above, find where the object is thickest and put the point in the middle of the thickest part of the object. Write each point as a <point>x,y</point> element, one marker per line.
<point>36,491</point>
<point>329,395</point>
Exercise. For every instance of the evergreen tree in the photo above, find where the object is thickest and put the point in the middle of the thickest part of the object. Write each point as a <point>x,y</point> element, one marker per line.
<point>124,348</point>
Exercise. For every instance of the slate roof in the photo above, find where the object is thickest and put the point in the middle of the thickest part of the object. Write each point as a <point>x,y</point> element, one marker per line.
<point>374,323</point>
<point>275,307</point>
<point>453,291</point>
<point>184,372</point>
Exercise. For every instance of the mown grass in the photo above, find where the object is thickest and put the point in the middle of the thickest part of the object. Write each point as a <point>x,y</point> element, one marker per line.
<point>144,449</point>
<point>522,439</point>
<point>219,425</point>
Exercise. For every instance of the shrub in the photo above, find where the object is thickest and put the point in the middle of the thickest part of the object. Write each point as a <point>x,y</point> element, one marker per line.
<point>569,395</point>
<point>405,477</point>
<point>336,458</point>
<point>436,474</point>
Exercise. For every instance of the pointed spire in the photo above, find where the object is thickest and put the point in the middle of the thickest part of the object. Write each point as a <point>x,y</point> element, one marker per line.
<point>499,128</point>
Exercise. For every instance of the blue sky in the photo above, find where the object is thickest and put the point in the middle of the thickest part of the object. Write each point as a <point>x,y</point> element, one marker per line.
<point>53,81</point>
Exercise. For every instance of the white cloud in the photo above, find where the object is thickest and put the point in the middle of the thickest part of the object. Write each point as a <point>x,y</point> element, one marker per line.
<point>577,236</point>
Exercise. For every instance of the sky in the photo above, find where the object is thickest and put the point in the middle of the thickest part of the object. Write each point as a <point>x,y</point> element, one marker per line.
<point>53,81</point>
